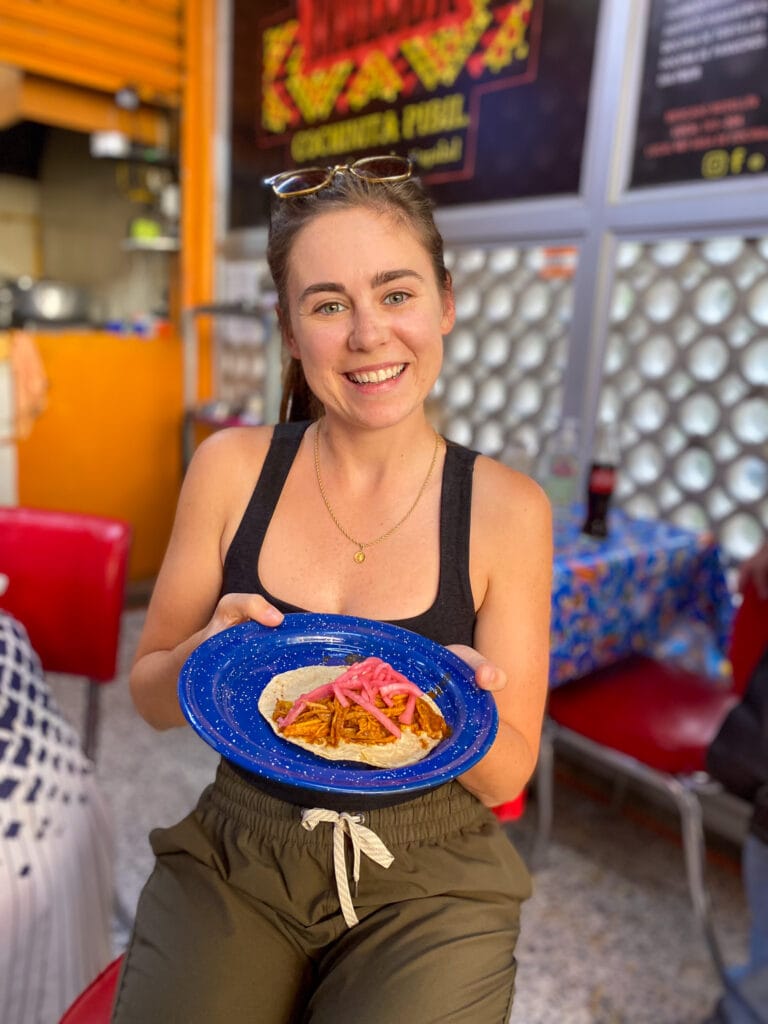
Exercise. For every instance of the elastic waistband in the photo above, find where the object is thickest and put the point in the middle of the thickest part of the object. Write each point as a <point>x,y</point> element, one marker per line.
<point>431,816</point>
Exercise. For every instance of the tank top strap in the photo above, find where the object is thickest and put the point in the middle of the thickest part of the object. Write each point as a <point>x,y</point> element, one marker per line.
<point>243,555</point>
<point>455,519</point>
<point>451,618</point>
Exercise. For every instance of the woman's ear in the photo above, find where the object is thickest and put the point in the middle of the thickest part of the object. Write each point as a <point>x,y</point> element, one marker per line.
<point>283,322</point>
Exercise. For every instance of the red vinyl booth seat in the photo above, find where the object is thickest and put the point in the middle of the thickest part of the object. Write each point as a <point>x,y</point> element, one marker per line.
<point>52,557</point>
<point>656,712</point>
<point>66,585</point>
<point>661,715</point>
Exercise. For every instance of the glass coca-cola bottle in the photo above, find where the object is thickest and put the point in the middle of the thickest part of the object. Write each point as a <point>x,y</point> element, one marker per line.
<point>601,479</point>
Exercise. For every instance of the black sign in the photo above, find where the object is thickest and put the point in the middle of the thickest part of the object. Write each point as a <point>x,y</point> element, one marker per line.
<point>704,103</point>
<point>488,97</point>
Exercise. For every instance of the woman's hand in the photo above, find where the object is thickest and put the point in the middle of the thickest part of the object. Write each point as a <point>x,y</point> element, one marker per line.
<point>155,672</point>
<point>487,675</point>
<point>235,608</point>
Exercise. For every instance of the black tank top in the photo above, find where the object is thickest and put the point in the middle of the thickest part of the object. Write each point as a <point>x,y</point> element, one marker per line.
<point>450,619</point>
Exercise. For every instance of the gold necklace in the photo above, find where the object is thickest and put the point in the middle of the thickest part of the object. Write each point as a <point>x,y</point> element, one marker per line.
<point>359,555</point>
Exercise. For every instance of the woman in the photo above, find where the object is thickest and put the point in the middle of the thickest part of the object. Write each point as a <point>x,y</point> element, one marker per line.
<point>363,511</point>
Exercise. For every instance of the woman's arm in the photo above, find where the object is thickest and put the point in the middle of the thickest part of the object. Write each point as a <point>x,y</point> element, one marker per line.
<point>511,559</point>
<point>184,609</point>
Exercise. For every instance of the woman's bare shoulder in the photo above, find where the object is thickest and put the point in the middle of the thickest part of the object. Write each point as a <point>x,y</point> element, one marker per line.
<point>230,450</point>
<point>235,442</point>
<point>224,468</point>
<point>507,503</point>
<point>496,483</point>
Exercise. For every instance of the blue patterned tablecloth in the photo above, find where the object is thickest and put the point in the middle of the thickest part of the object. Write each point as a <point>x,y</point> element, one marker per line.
<point>649,587</point>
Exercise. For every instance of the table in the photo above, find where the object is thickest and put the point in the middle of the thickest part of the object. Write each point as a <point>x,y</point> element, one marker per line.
<point>649,587</point>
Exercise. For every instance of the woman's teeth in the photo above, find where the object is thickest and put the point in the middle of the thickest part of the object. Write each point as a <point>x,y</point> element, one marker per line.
<point>377,376</point>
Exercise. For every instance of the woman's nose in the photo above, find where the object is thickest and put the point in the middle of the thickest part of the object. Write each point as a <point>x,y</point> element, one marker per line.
<point>368,330</point>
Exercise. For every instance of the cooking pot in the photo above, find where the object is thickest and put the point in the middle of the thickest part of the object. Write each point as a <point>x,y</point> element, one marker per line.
<point>45,301</point>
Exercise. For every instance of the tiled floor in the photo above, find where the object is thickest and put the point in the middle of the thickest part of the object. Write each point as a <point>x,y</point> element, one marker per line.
<point>608,937</point>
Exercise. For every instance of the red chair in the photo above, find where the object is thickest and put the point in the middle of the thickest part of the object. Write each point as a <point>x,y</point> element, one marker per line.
<point>94,1005</point>
<point>511,810</point>
<point>652,722</point>
<point>66,585</point>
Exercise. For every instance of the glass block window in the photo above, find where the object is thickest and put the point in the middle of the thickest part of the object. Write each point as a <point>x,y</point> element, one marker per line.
<point>500,390</point>
<point>240,343</point>
<point>685,376</point>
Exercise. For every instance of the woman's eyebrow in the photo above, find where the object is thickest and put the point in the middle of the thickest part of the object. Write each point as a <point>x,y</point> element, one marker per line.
<point>382,278</point>
<point>321,286</point>
<point>386,276</point>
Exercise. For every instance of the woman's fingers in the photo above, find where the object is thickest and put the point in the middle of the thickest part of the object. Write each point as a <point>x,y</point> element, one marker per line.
<point>235,608</point>
<point>487,675</point>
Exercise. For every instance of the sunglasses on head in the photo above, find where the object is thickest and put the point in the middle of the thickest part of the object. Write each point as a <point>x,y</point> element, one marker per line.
<point>304,180</point>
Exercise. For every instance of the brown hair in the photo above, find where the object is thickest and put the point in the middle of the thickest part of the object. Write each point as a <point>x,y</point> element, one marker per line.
<point>405,201</point>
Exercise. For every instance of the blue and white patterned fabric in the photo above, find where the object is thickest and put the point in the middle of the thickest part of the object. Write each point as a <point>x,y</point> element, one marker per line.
<point>56,847</point>
<point>649,587</point>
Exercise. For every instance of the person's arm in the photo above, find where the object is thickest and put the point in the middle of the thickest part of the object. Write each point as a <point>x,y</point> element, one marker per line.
<point>184,609</point>
<point>756,569</point>
<point>513,542</point>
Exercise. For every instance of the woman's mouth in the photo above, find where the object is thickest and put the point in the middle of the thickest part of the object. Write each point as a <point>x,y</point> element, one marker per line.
<point>376,376</point>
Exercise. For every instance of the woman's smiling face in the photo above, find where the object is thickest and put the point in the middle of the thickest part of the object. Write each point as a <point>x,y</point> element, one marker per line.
<point>367,316</point>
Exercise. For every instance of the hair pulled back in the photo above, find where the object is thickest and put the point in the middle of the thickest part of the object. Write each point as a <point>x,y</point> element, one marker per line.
<point>404,201</point>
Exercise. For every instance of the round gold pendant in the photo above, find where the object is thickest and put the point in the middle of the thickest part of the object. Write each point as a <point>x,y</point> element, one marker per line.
<point>359,556</point>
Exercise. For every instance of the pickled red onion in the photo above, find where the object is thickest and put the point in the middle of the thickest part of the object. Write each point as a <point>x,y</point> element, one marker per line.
<point>361,683</point>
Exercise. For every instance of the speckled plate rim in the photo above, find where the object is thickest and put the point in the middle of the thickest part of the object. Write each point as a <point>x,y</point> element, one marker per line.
<point>220,683</point>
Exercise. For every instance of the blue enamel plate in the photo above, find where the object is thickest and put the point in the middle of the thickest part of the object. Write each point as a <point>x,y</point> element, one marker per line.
<point>220,683</point>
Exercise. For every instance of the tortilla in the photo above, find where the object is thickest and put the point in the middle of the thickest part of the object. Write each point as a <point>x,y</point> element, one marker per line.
<point>409,748</point>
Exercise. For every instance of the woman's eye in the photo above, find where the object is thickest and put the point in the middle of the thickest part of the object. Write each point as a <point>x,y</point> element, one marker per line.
<point>396,298</point>
<point>330,307</point>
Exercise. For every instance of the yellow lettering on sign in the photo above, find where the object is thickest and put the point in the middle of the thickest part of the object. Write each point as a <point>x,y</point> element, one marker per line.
<point>377,79</point>
<point>485,41</point>
<point>444,151</point>
<point>442,114</point>
<point>277,45</point>
<point>276,115</point>
<point>509,42</point>
<point>440,57</point>
<point>346,137</point>
<point>315,93</point>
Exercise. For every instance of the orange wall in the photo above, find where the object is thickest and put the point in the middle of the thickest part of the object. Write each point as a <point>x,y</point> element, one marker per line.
<point>109,441</point>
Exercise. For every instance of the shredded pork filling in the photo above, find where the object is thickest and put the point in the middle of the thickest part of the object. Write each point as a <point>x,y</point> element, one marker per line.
<point>368,704</point>
<point>327,722</point>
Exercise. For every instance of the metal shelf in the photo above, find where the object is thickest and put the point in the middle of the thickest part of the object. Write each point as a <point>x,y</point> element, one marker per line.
<point>195,412</point>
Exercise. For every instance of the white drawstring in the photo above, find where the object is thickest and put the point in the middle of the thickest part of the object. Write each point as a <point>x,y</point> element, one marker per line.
<point>363,840</point>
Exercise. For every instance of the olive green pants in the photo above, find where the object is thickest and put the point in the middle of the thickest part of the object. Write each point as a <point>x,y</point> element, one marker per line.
<point>240,920</point>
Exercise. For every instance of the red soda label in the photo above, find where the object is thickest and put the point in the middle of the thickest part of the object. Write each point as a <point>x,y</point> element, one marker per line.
<point>602,479</point>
